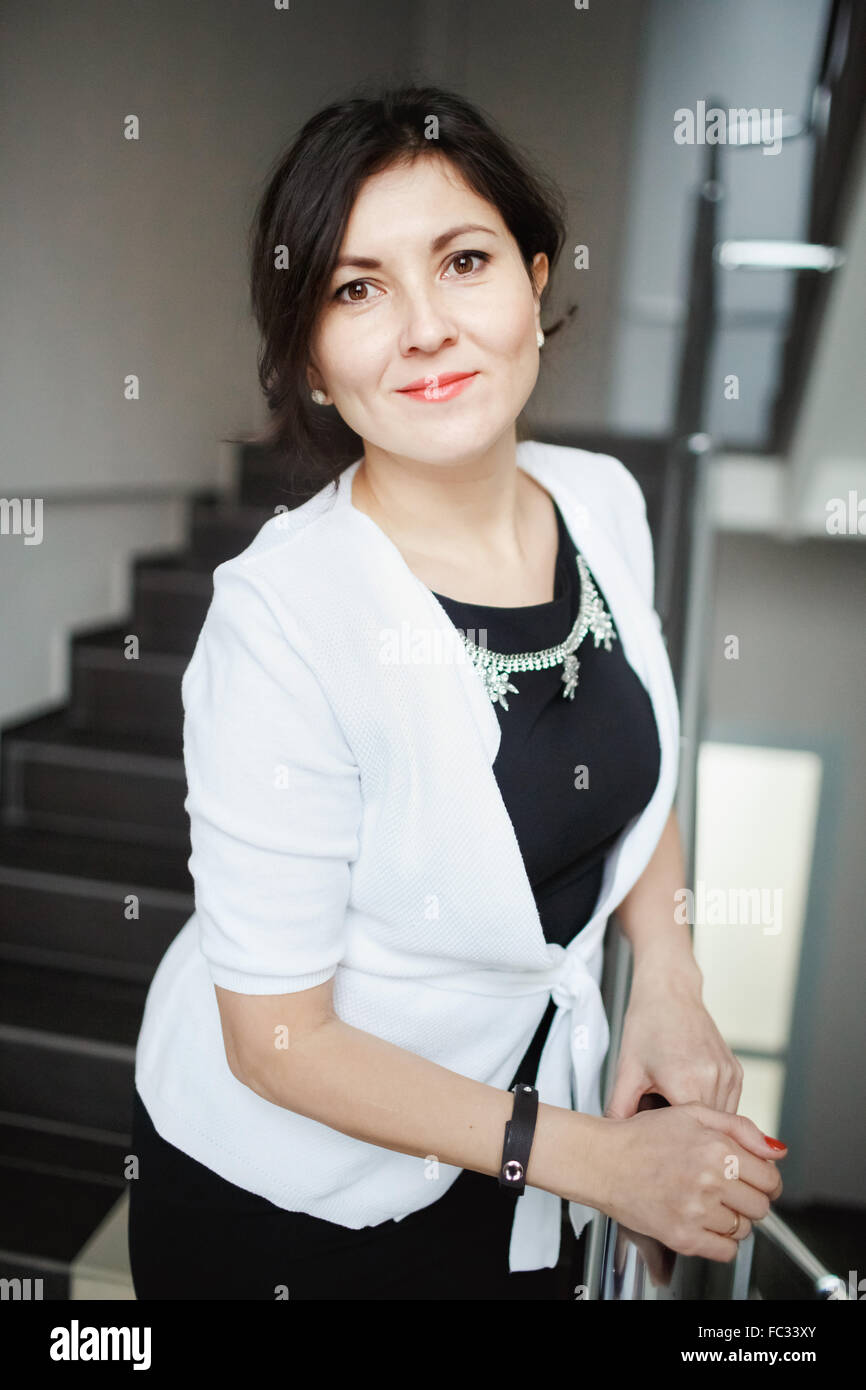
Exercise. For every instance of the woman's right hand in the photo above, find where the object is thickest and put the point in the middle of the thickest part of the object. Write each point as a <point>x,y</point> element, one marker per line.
<point>682,1172</point>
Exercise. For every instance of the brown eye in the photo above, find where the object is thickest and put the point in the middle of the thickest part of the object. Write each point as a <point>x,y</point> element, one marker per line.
<point>346,293</point>
<point>468,257</point>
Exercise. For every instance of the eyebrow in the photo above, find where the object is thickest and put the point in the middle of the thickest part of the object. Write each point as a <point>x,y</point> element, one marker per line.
<point>370,263</point>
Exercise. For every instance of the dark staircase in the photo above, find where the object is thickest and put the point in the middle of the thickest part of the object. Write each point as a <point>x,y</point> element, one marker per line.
<point>94,885</point>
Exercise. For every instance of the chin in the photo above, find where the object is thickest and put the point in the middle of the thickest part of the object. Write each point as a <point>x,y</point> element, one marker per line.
<point>448,445</point>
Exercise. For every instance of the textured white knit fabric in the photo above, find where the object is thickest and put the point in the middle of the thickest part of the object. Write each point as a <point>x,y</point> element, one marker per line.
<point>346,821</point>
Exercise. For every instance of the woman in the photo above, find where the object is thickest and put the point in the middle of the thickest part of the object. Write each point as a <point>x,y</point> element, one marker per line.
<point>406,848</point>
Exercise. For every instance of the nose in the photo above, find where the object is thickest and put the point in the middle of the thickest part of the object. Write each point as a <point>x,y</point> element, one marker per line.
<point>426,326</point>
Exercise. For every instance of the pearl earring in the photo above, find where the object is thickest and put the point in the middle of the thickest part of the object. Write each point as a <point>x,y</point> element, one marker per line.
<point>539,338</point>
<point>318,396</point>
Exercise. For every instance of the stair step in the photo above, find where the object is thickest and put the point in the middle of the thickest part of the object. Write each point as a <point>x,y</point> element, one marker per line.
<point>265,481</point>
<point>153,866</point>
<point>71,1004</point>
<point>222,530</point>
<point>67,1047</point>
<point>110,691</point>
<point>53,1076</point>
<point>271,479</point>
<point>46,1220</point>
<point>171,597</point>
<point>101,783</point>
<point>63,903</point>
<point>92,1157</point>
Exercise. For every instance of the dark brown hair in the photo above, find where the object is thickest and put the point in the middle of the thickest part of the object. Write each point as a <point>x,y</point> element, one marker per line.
<point>305,207</point>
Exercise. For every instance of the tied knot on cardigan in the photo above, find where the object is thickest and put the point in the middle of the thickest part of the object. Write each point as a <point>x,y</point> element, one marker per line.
<point>574,987</point>
<point>573,983</point>
<point>576,991</point>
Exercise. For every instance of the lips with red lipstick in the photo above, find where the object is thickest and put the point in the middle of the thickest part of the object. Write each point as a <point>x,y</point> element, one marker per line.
<point>437,386</point>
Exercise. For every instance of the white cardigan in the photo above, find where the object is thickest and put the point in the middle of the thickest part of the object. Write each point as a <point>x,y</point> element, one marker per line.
<point>346,821</point>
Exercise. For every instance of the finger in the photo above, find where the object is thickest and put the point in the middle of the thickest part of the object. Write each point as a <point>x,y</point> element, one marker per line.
<point>743,1130</point>
<point>627,1091</point>
<point>745,1199</point>
<point>761,1174</point>
<point>721,1224</point>
<point>685,1090</point>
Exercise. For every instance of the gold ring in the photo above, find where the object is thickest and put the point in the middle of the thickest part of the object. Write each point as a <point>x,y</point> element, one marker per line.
<point>735,1227</point>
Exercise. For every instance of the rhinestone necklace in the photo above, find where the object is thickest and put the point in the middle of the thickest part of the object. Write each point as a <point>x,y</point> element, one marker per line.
<point>495,667</point>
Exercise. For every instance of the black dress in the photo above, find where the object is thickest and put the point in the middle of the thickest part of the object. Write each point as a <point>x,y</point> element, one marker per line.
<point>572,773</point>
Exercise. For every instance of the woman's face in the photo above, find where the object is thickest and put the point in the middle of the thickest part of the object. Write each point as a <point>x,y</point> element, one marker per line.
<point>438,301</point>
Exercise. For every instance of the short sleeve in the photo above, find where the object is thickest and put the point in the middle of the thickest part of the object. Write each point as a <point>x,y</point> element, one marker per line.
<point>273,798</point>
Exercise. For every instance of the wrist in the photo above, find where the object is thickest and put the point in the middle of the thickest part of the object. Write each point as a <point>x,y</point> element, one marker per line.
<point>593,1141</point>
<point>567,1156</point>
<point>672,964</point>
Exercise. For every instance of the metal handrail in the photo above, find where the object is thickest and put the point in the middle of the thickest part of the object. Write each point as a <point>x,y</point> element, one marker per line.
<point>616,1266</point>
<point>824,1283</point>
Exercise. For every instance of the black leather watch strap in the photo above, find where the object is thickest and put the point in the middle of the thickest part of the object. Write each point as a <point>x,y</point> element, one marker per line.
<point>519,1132</point>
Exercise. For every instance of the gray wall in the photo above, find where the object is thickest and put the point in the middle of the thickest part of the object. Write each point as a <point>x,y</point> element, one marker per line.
<point>798,611</point>
<point>740,54</point>
<point>565,84</point>
<point>124,256</point>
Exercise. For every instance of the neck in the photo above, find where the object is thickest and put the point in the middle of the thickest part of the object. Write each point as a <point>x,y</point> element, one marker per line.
<point>476,504</point>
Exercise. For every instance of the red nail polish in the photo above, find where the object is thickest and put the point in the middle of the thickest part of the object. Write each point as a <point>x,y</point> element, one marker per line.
<point>775,1143</point>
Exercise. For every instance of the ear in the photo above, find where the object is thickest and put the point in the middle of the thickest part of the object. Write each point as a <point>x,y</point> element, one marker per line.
<point>540,272</point>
